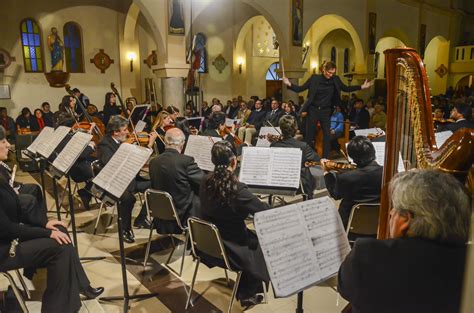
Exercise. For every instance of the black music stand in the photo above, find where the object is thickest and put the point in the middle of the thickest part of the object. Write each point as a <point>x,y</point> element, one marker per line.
<point>110,200</point>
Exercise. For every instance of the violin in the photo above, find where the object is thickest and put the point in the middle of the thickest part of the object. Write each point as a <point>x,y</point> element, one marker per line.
<point>332,165</point>
<point>443,120</point>
<point>142,137</point>
<point>225,131</point>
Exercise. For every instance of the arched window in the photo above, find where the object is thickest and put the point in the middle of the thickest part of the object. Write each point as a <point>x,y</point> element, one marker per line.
<point>31,44</point>
<point>346,60</point>
<point>271,73</point>
<point>333,55</point>
<point>201,40</point>
<point>73,48</point>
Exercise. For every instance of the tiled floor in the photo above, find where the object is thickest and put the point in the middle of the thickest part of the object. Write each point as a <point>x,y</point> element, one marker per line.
<point>212,294</point>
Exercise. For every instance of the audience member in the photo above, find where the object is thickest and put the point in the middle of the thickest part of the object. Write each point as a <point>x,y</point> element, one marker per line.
<point>379,118</point>
<point>359,116</point>
<point>48,115</point>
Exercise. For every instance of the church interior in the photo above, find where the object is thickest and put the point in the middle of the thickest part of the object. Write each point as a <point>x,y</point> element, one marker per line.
<point>207,62</point>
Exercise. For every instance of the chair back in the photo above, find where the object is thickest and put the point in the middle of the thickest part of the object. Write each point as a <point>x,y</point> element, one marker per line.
<point>160,205</point>
<point>96,167</point>
<point>205,238</point>
<point>364,219</point>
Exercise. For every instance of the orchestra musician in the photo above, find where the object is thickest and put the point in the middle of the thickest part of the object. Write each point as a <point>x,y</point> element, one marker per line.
<point>162,123</point>
<point>226,202</point>
<point>461,114</point>
<point>420,269</point>
<point>41,245</point>
<point>361,185</point>
<point>324,93</point>
<point>116,134</point>
<point>180,176</point>
<point>288,129</point>
<point>110,107</point>
<point>216,127</point>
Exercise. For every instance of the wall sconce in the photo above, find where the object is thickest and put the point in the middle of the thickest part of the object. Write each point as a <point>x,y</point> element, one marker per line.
<point>240,61</point>
<point>314,65</point>
<point>131,56</point>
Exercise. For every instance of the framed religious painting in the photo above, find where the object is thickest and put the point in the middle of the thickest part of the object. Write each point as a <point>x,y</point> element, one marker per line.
<point>297,22</point>
<point>372,32</point>
<point>176,17</point>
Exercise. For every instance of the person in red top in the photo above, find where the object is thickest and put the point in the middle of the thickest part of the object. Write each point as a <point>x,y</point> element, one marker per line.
<point>37,121</point>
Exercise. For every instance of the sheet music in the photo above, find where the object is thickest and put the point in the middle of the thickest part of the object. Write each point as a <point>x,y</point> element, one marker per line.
<point>45,134</point>
<point>229,122</point>
<point>47,147</point>
<point>303,244</point>
<point>68,156</point>
<point>122,168</point>
<point>140,126</point>
<point>272,167</point>
<point>366,132</point>
<point>263,142</point>
<point>441,137</point>
<point>380,156</point>
<point>199,147</point>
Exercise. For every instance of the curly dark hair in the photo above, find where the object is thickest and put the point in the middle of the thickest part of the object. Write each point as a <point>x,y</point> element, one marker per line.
<point>222,184</point>
<point>361,150</point>
<point>288,126</point>
<point>216,119</point>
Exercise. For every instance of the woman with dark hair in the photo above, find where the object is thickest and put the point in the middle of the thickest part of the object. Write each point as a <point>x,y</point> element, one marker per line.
<point>24,120</point>
<point>216,126</point>
<point>226,202</point>
<point>362,185</point>
<point>40,246</point>
<point>37,122</point>
<point>110,107</point>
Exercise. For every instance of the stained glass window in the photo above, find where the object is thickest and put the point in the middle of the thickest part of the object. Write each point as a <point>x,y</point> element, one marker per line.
<point>271,73</point>
<point>31,44</point>
<point>346,60</point>
<point>73,48</point>
<point>203,65</point>
<point>333,55</point>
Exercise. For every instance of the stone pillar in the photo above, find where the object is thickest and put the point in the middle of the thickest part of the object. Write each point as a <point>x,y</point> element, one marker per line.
<point>173,92</point>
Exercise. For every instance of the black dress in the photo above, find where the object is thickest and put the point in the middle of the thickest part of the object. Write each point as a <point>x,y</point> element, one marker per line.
<point>65,276</point>
<point>241,244</point>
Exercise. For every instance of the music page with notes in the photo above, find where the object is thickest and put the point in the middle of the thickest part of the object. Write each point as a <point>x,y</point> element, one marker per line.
<point>68,156</point>
<point>199,147</point>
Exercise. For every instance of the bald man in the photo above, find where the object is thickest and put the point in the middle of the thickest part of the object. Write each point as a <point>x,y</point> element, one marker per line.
<point>180,176</point>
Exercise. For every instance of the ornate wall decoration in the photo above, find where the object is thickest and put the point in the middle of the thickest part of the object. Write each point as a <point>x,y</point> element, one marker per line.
<point>152,59</point>
<point>220,63</point>
<point>441,70</point>
<point>5,59</point>
<point>264,41</point>
<point>102,61</point>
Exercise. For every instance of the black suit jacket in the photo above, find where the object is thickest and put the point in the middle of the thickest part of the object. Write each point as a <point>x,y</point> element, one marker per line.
<point>308,154</point>
<point>360,119</point>
<point>312,84</point>
<point>362,185</point>
<point>409,275</point>
<point>273,119</point>
<point>106,149</point>
<point>257,118</point>
<point>179,175</point>
<point>458,125</point>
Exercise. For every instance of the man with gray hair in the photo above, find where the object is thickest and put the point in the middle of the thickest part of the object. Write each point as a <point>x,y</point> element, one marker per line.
<point>421,267</point>
<point>180,176</point>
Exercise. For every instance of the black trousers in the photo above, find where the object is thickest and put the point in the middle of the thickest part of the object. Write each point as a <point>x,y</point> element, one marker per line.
<point>65,276</point>
<point>32,204</point>
<point>323,116</point>
<point>127,202</point>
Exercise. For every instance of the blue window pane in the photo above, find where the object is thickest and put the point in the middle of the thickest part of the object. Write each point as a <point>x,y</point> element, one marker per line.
<point>32,53</point>
<point>33,65</point>
<point>24,39</point>
<point>31,39</point>
<point>66,41</point>
<point>37,40</point>
<point>29,25</point>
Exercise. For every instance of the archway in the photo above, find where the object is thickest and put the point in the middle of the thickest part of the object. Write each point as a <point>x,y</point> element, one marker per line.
<point>382,45</point>
<point>437,57</point>
<point>325,25</point>
<point>255,50</point>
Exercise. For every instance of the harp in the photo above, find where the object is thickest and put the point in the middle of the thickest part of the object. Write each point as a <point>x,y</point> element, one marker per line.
<point>410,131</point>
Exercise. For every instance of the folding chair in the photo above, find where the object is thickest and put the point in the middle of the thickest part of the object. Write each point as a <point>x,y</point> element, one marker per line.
<point>364,220</point>
<point>160,205</point>
<point>17,291</point>
<point>205,238</point>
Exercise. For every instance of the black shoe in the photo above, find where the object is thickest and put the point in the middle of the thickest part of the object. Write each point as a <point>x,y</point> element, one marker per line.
<point>92,293</point>
<point>85,198</point>
<point>251,302</point>
<point>142,223</point>
<point>128,236</point>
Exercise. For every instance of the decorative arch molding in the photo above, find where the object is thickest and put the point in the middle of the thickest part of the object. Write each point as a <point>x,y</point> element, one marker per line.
<point>327,23</point>
<point>436,62</point>
<point>400,35</point>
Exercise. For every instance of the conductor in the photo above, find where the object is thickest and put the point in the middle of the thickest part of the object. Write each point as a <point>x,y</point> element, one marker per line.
<point>324,93</point>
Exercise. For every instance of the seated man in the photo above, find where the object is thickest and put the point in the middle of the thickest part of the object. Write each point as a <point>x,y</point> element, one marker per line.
<point>116,133</point>
<point>362,185</point>
<point>359,116</point>
<point>288,130</point>
<point>461,113</point>
<point>273,116</point>
<point>179,175</point>
<point>254,123</point>
<point>420,269</point>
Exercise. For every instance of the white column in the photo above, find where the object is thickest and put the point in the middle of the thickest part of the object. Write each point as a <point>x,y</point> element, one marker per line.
<point>173,92</point>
